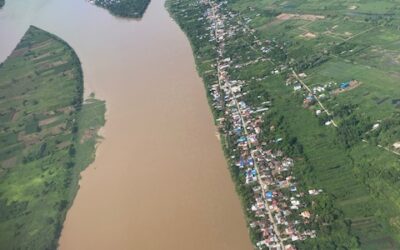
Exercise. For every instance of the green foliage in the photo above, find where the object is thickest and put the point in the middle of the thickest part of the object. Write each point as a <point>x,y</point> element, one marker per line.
<point>125,8</point>
<point>41,147</point>
<point>351,130</point>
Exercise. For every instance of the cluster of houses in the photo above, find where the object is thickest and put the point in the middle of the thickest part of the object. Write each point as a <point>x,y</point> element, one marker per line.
<point>316,93</point>
<point>278,206</point>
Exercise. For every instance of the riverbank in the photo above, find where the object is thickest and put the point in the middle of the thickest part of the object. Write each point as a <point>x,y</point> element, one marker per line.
<point>260,65</point>
<point>48,138</point>
<point>124,8</point>
<point>243,144</point>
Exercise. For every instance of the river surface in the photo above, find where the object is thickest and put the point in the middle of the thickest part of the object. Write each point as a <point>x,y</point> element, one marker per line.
<point>159,180</point>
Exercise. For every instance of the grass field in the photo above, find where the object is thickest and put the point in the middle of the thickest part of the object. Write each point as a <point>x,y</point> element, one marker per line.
<point>331,42</point>
<point>47,136</point>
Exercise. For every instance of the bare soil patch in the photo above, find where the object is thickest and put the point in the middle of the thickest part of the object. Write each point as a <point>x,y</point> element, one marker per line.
<point>88,134</point>
<point>352,85</point>
<point>30,139</point>
<point>308,17</point>
<point>63,145</point>
<point>47,121</point>
<point>9,163</point>
<point>309,35</point>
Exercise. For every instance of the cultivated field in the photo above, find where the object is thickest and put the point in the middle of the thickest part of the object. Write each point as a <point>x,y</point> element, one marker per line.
<point>47,136</point>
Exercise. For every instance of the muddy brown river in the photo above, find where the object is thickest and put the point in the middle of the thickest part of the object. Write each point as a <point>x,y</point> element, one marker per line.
<point>159,180</point>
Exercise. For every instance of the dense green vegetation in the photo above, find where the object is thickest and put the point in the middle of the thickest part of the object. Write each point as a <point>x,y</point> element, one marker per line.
<point>47,136</point>
<point>355,164</point>
<point>2,2</point>
<point>125,8</point>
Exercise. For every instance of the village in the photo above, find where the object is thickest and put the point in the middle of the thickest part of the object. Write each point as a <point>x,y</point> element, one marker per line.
<point>276,198</point>
<point>306,115</point>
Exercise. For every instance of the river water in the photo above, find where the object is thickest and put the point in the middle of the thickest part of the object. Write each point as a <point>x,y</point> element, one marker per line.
<point>159,180</point>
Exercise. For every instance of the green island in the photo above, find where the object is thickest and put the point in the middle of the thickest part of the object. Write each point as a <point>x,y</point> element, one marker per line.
<point>319,82</point>
<point>48,135</point>
<point>124,8</point>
